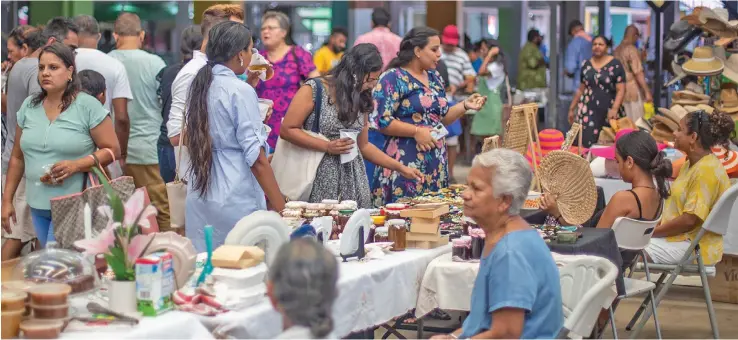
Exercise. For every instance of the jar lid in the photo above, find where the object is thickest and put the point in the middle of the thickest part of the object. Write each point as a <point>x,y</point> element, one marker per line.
<point>346,211</point>
<point>395,206</point>
<point>381,230</point>
<point>329,201</point>
<point>378,219</point>
<point>396,222</point>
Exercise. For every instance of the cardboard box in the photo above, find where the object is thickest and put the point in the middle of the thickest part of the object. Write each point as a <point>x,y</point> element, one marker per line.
<point>724,286</point>
<point>155,283</point>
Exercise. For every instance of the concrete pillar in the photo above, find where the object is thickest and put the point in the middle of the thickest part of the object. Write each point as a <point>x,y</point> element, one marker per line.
<point>554,62</point>
<point>340,14</point>
<point>513,26</point>
<point>604,20</point>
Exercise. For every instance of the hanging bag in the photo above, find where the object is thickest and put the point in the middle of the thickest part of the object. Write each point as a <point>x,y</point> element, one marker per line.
<point>177,189</point>
<point>294,166</point>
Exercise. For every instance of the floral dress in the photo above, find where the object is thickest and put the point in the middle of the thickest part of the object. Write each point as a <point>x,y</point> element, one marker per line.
<point>598,97</point>
<point>400,96</point>
<point>289,72</point>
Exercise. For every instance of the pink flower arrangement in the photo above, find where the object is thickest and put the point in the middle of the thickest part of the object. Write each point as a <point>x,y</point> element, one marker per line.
<point>121,242</point>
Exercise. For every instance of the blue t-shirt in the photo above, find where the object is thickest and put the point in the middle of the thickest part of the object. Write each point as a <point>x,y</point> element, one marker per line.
<point>518,273</point>
<point>477,64</point>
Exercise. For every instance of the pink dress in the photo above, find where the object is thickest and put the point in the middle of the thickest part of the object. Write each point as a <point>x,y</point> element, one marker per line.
<point>289,73</point>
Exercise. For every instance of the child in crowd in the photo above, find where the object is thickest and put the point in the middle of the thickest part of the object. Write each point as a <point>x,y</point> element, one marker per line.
<point>93,83</point>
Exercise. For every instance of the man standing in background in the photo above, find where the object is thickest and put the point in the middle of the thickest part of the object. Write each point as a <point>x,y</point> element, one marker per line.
<point>118,89</point>
<point>578,50</point>
<point>532,65</point>
<point>142,162</point>
<point>387,42</point>
<point>330,54</point>
<point>461,78</point>
<point>635,81</point>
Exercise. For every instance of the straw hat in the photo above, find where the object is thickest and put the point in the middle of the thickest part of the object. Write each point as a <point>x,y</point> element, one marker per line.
<point>694,87</point>
<point>678,74</point>
<point>669,115</point>
<point>703,107</point>
<point>644,125</point>
<point>680,111</point>
<point>731,68</point>
<point>671,124</point>
<point>694,18</point>
<point>689,95</point>
<point>728,101</point>
<point>569,177</point>
<point>703,63</point>
<point>661,133</point>
<point>715,21</point>
<point>607,135</point>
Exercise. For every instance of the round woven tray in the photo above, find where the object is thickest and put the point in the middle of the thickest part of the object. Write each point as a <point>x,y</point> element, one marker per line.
<point>569,177</point>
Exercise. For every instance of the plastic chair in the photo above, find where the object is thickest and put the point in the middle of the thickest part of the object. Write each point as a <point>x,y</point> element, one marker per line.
<point>635,235</point>
<point>584,290</point>
<point>717,222</point>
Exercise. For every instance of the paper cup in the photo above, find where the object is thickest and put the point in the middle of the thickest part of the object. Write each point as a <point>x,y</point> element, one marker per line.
<point>264,106</point>
<point>353,134</point>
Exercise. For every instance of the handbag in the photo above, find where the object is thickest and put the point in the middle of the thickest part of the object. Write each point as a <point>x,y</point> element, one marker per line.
<point>67,212</point>
<point>177,189</point>
<point>294,166</point>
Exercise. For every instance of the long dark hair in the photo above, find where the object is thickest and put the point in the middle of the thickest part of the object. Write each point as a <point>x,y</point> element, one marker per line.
<point>67,57</point>
<point>347,78</point>
<point>712,129</point>
<point>225,40</point>
<point>417,37</point>
<point>501,57</point>
<point>642,148</point>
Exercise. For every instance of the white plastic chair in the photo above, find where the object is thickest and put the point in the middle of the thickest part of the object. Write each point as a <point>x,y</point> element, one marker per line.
<point>634,235</point>
<point>584,290</point>
<point>717,222</point>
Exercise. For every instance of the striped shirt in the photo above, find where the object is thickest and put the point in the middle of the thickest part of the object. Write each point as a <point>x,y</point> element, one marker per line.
<point>459,66</point>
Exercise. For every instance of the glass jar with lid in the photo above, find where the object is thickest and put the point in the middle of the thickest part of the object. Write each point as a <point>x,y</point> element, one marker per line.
<point>393,210</point>
<point>381,234</point>
<point>397,229</point>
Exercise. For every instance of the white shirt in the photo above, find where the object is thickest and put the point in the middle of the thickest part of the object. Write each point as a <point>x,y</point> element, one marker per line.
<point>496,75</point>
<point>116,78</point>
<point>180,91</point>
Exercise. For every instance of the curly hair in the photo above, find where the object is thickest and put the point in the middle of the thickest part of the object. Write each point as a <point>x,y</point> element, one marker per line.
<point>711,129</point>
<point>347,79</point>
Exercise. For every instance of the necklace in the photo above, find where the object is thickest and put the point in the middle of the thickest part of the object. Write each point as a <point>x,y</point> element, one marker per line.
<point>644,187</point>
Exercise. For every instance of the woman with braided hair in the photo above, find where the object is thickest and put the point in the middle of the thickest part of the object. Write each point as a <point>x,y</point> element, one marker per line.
<point>700,183</point>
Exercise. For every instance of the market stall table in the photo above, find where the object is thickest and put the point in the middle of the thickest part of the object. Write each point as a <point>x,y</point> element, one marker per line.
<point>171,325</point>
<point>448,285</point>
<point>370,293</point>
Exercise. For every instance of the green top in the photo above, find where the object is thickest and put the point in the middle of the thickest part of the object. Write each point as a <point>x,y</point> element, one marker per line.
<point>144,111</point>
<point>46,143</point>
<point>531,74</point>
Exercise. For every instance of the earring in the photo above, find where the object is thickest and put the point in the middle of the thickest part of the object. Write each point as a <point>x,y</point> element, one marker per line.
<point>355,81</point>
<point>241,60</point>
<point>70,80</point>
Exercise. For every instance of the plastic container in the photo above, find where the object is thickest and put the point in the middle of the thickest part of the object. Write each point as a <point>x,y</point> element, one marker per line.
<point>10,323</point>
<point>42,329</point>
<point>58,266</point>
<point>13,300</point>
<point>50,312</point>
<point>397,229</point>
<point>50,294</point>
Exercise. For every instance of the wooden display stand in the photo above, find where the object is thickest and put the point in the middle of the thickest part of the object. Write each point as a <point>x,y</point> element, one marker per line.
<point>522,131</point>
<point>425,226</point>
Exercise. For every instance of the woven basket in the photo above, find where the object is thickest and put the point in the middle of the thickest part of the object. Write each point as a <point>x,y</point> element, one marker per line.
<point>516,135</point>
<point>569,177</point>
<point>491,143</point>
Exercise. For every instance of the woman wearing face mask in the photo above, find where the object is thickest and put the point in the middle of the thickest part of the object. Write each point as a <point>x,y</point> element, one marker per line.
<point>62,127</point>
<point>701,181</point>
<point>346,104</point>
<point>410,102</point>
<point>230,174</point>
<point>292,66</point>
<point>600,95</point>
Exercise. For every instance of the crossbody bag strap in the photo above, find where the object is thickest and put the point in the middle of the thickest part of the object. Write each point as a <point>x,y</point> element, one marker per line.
<point>317,104</point>
<point>179,152</point>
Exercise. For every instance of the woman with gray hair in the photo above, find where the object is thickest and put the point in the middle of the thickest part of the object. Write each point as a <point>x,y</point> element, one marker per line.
<point>302,287</point>
<point>516,293</point>
<point>292,66</point>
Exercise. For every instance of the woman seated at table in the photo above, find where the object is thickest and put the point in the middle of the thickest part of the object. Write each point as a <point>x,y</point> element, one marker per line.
<point>516,293</point>
<point>640,163</point>
<point>302,288</point>
<point>701,181</point>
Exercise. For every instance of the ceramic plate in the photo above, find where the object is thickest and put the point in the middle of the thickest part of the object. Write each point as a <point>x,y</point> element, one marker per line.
<point>183,254</point>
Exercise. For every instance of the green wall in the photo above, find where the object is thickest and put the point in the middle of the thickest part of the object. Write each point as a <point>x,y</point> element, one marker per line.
<point>41,11</point>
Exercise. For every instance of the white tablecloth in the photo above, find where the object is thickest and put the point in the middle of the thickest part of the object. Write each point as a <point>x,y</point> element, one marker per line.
<point>370,293</point>
<point>448,285</point>
<point>171,325</point>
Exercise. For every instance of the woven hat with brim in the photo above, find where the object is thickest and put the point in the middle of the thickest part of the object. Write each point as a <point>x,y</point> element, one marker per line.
<point>703,63</point>
<point>680,111</point>
<point>731,68</point>
<point>707,108</point>
<point>666,113</point>
<point>672,125</point>
<point>715,21</point>
<point>661,133</point>
<point>607,135</point>
<point>569,178</point>
<point>678,73</point>
<point>644,125</point>
<point>729,158</point>
<point>694,87</point>
<point>728,101</point>
<point>689,95</point>
<point>694,18</point>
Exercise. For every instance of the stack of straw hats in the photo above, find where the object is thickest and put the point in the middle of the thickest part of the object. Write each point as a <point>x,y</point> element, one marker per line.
<point>666,121</point>
<point>607,135</point>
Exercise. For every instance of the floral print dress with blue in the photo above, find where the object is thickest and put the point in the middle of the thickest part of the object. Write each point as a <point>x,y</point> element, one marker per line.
<point>400,96</point>
<point>598,97</point>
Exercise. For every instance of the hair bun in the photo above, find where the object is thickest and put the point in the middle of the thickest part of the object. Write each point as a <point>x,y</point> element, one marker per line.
<point>661,166</point>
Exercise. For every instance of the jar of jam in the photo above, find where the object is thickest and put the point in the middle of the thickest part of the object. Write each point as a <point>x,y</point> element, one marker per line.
<point>397,234</point>
<point>381,234</point>
<point>343,218</point>
<point>393,210</point>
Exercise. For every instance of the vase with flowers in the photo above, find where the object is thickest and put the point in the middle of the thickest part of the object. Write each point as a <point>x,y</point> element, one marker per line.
<point>121,243</point>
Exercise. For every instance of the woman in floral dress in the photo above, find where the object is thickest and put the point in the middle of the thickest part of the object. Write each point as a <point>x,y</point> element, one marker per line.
<point>410,101</point>
<point>600,95</point>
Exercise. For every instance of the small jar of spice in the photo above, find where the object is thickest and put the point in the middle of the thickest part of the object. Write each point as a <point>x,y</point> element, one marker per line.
<point>397,234</point>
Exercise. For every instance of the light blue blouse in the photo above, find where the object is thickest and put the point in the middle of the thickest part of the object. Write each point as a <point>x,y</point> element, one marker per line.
<point>237,139</point>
